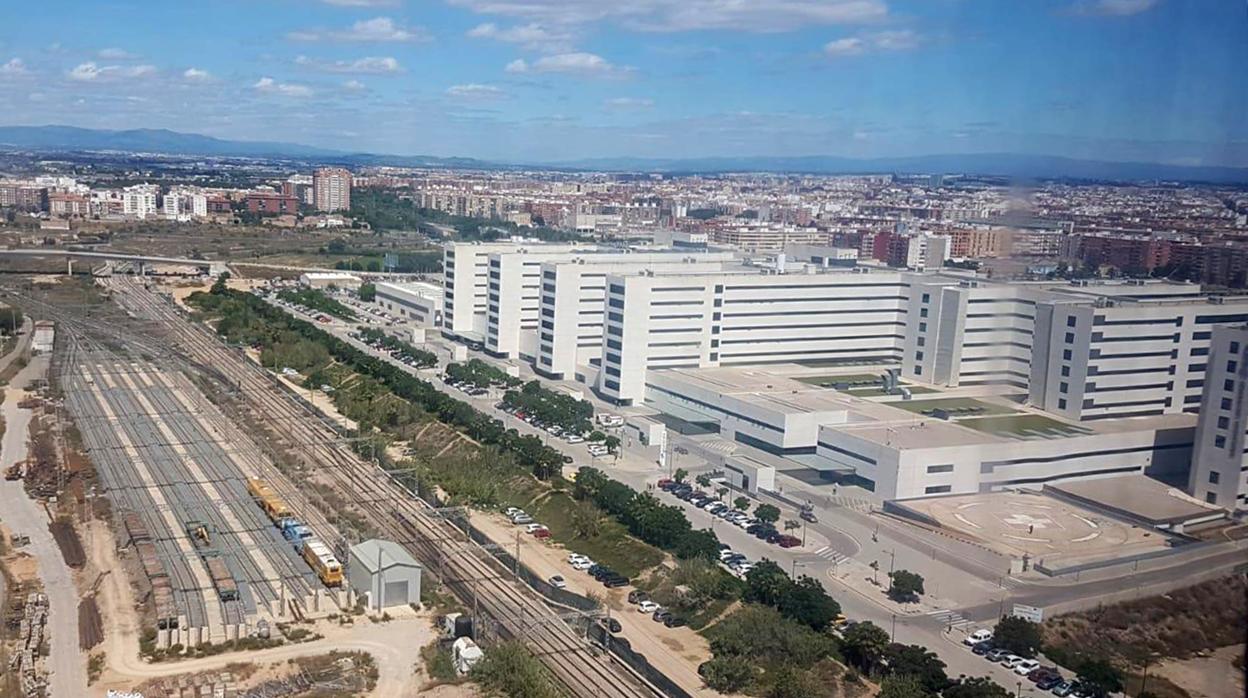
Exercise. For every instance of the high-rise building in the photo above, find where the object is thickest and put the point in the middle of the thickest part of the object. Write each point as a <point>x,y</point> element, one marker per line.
<point>332,189</point>
<point>1219,474</point>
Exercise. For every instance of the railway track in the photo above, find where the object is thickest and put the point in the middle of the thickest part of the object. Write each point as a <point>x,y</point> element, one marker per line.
<point>516,610</point>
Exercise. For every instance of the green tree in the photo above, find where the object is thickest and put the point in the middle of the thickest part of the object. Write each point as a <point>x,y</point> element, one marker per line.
<point>219,286</point>
<point>905,585</point>
<point>367,292</point>
<point>766,583</point>
<point>612,443</point>
<point>10,319</point>
<point>741,504</point>
<point>976,687</point>
<point>720,492</point>
<point>792,525</point>
<point>595,436</point>
<point>586,519</point>
<point>806,602</point>
<point>680,475</point>
<point>792,682</point>
<point>511,670</point>
<point>917,661</point>
<point>767,513</point>
<point>864,645</point>
<point>1099,678</point>
<point>726,674</point>
<point>703,480</point>
<point>902,687</point>
<point>697,544</point>
<point>1017,636</point>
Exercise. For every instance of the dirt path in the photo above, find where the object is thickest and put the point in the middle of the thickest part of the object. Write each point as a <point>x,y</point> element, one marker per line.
<point>68,667</point>
<point>1207,677</point>
<point>676,652</point>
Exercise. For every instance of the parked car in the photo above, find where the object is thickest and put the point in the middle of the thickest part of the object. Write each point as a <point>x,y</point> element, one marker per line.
<point>1049,677</point>
<point>558,582</point>
<point>661,615</point>
<point>612,625</point>
<point>522,518</point>
<point>1012,660</point>
<point>1026,666</point>
<point>542,533</point>
<point>982,635</point>
<point>647,607</point>
<point>574,558</point>
<point>982,648</point>
<point>674,622</point>
<point>637,596</point>
<point>1062,689</point>
<point>533,528</point>
<point>583,564</point>
<point>616,581</point>
<point>996,655</point>
<point>787,541</point>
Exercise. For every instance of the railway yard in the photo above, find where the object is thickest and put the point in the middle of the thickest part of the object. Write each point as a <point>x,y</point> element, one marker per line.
<point>197,448</point>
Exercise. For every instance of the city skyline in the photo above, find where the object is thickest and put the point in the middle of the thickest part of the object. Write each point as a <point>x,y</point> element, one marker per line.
<point>550,81</point>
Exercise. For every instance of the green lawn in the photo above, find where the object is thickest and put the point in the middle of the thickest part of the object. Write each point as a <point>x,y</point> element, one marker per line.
<point>1024,426</point>
<point>973,407</point>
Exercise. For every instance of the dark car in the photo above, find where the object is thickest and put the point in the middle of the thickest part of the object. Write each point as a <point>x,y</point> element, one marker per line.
<point>764,533</point>
<point>982,648</point>
<point>604,573</point>
<point>615,582</point>
<point>787,541</point>
<point>594,569</point>
<point>674,622</point>
<point>612,625</point>
<point>637,596</point>
<point>567,460</point>
<point>662,615</point>
<point>1048,681</point>
<point>1063,689</point>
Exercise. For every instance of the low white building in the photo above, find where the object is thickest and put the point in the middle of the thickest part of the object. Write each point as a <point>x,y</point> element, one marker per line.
<point>417,302</point>
<point>385,573</point>
<point>325,279</point>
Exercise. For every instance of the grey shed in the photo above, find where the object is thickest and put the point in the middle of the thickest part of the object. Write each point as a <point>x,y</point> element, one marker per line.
<point>384,571</point>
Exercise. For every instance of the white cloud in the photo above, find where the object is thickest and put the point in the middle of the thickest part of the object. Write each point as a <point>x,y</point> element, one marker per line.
<point>371,65</point>
<point>1113,8</point>
<point>286,89</point>
<point>362,3</point>
<point>376,30</point>
<point>579,63</point>
<point>688,15</point>
<point>196,75</point>
<point>896,40</point>
<point>90,71</point>
<point>475,92</point>
<point>115,54</point>
<point>531,37</point>
<point>15,66</point>
<point>354,86</point>
<point>629,103</point>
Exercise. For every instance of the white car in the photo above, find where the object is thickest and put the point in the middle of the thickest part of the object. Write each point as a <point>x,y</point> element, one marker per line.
<point>558,582</point>
<point>1026,666</point>
<point>583,564</point>
<point>534,528</point>
<point>977,637</point>
<point>512,511</point>
<point>1012,660</point>
<point>574,558</point>
<point>726,553</point>
<point>647,607</point>
<point>574,438</point>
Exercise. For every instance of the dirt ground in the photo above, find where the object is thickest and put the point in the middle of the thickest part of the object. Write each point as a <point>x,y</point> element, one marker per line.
<point>676,652</point>
<point>1207,677</point>
<point>1041,527</point>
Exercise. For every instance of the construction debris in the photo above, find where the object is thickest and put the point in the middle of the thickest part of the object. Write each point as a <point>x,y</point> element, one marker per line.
<point>26,658</point>
<point>68,541</point>
<point>90,624</point>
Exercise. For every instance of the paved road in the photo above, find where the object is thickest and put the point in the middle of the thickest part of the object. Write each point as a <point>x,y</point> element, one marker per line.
<point>23,516</point>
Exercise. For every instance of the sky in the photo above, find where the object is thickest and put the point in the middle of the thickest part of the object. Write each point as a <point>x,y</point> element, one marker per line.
<point>561,80</point>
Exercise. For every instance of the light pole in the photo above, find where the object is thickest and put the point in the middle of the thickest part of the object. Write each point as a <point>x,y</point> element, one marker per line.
<point>892,637</point>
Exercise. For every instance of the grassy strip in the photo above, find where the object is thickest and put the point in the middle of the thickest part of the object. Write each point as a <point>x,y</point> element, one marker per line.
<point>316,300</point>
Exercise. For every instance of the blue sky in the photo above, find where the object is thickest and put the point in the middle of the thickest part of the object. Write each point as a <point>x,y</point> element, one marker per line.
<point>549,80</point>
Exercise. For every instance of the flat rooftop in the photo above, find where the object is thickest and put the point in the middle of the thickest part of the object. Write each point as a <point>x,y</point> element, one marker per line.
<point>1137,496</point>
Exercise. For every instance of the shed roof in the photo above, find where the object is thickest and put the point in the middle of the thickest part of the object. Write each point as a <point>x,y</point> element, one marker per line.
<point>377,555</point>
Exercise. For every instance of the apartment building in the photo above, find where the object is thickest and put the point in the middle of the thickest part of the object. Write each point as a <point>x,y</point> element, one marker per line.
<point>332,189</point>
<point>573,296</point>
<point>704,320</point>
<point>139,201</point>
<point>1219,472</point>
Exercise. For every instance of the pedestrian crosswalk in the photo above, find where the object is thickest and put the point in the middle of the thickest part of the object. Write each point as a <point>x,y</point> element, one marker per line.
<point>949,618</point>
<point>827,553</point>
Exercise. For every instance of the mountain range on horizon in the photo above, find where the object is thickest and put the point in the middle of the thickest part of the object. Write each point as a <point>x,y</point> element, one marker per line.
<point>55,138</point>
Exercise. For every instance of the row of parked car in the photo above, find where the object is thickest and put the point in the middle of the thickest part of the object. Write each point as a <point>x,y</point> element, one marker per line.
<point>1046,678</point>
<point>466,387</point>
<point>568,435</point>
<point>517,516</point>
<point>396,354</point>
<point>759,529</point>
<point>609,577</point>
<point>660,615</point>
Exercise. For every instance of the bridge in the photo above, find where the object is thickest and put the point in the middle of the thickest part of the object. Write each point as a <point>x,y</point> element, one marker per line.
<point>204,266</point>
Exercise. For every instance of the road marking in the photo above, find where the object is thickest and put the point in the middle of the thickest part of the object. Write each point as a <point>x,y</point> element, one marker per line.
<point>827,553</point>
<point>949,617</point>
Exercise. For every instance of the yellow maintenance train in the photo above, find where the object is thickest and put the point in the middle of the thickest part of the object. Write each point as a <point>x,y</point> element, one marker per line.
<point>319,556</point>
